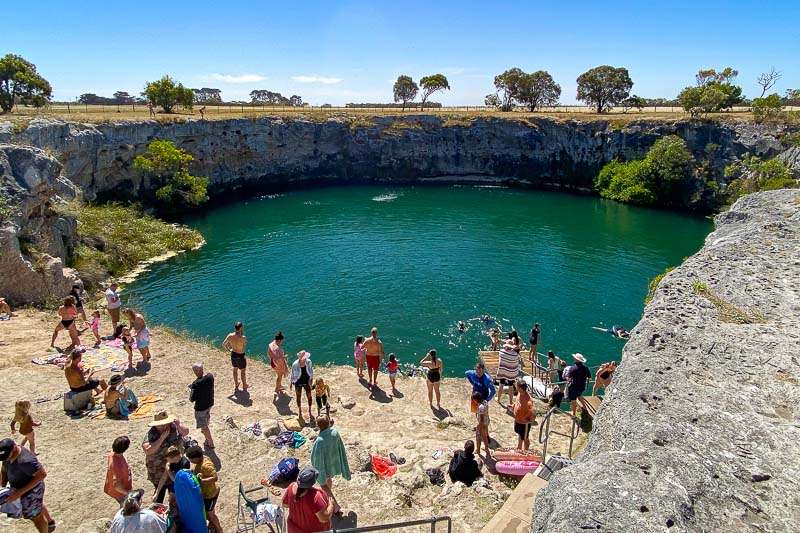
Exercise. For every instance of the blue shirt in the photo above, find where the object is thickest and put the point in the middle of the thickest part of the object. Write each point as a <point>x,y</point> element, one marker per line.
<point>482,385</point>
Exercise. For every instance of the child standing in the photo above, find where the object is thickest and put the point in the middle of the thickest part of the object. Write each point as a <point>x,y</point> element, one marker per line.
<point>322,391</point>
<point>391,367</point>
<point>118,475</point>
<point>94,325</point>
<point>482,427</point>
<point>22,416</point>
<point>359,355</point>
<point>127,344</point>
<point>207,474</point>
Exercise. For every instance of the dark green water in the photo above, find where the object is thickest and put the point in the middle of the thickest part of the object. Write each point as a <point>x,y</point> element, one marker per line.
<point>327,264</point>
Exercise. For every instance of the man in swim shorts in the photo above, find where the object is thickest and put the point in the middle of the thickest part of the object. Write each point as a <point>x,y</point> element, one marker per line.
<point>236,342</point>
<point>373,347</point>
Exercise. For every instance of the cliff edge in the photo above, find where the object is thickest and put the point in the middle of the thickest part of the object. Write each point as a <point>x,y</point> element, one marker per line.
<point>700,430</point>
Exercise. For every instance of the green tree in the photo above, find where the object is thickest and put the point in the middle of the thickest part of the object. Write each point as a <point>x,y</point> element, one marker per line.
<point>167,94</point>
<point>405,90</point>
<point>169,166</point>
<point>662,177</point>
<point>21,83</point>
<point>492,100</point>
<point>123,97</point>
<point>537,90</point>
<point>605,86</point>
<point>768,107</point>
<point>632,102</point>
<point>207,95</point>
<point>431,84</point>
<point>508,86</point>
<point>714,92</point>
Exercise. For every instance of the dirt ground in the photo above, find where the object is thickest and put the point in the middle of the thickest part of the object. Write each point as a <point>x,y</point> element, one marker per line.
<point>73,450</point>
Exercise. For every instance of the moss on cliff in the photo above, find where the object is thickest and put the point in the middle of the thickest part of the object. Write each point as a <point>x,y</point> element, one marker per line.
<point>113,239</point>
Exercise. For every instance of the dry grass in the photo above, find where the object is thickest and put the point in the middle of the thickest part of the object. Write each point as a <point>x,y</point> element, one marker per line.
<point>21,116</point>
<point>728,312</point>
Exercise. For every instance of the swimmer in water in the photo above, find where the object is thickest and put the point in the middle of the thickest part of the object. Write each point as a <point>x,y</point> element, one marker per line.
<point>461,326</point>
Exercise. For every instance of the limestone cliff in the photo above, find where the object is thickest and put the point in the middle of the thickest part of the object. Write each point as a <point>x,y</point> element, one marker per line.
<point>270,152</point>
<point>700,429</point>
<point>36,238</point>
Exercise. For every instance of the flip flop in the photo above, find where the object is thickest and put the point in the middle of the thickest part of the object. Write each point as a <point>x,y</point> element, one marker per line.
<point>51,526</point>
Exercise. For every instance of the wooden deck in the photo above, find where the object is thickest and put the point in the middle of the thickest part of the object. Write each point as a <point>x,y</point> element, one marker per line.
<point>516,513</point>
<point>590,404</point>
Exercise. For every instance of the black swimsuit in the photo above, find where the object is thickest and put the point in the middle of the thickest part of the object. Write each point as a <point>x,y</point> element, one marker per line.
<point>434,376</point>
<point>302,381</point>
<point>67,323</point>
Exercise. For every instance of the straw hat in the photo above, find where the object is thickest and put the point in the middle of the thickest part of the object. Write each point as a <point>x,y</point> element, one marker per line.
<point>161,418</point>
<point>579,357</point>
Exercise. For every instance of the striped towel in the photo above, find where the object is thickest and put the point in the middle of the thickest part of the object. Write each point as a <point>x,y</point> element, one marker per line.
<point>508,365</point>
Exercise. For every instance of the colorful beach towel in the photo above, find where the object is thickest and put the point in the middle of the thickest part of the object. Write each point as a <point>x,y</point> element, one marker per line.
<point>145,409</point>
<point>508,366</point>
<point>107,356</point>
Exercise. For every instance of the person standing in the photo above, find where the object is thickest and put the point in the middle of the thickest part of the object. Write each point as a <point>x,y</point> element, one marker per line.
<point>373,348</point>
<point>524,415</point>
<point>206,473</point>
<point>277,360</point>
<point>67,314</point>
<point>553,367</point>
<point>329,457</point>
<point>310,508</point>
<point>23,472</point>
<point>508,367</point>
<point>577,375</point>
<point>113,304</point>
<point>481,383</point>
<point>141,333</point>
<point>302,376</point>
<point>165,431</point>
<point>119,481</point>
<point>536,331</point>
<point>76,293</point>
<point>236,343</point>
<point>202,396</point>
<point>434,366</point>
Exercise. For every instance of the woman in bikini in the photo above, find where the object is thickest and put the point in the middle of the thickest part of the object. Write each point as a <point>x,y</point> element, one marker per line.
<point>434,366</point>
<point>277,360</point>
<point>67,314</point>
<point>140,333</point>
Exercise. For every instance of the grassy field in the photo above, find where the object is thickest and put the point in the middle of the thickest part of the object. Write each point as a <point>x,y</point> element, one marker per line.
<point>95,114</point>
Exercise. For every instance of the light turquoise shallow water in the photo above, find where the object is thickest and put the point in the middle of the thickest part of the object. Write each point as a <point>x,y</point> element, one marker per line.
<point>324,265</point>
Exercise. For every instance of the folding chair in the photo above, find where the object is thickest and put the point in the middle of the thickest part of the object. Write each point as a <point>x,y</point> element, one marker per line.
<point>246,514</point>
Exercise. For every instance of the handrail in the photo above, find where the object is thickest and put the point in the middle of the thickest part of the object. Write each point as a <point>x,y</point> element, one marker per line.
<point>395,525</point>
<point>544,429</point>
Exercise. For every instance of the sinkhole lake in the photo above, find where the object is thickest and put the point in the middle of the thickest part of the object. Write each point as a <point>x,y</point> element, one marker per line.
<point>324,265</point>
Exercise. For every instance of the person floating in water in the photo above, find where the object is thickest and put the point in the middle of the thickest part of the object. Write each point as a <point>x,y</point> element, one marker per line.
<point>462,327</point>
<point>618,331</point>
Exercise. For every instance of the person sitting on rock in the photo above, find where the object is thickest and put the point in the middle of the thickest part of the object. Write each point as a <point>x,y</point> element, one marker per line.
<point>463,466</point>
<point>5,309</point>
<point>119,400</point>
<point>603,377</point>
<point>77,376</point>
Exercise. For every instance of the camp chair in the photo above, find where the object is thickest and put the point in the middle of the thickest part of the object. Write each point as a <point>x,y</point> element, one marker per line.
<point>245,517</point>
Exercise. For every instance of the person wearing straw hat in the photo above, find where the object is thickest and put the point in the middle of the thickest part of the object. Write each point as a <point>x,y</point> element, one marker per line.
<point>310,509</point>
<point>165,431</point>
<point>302,376</point>
<point>577,375</point>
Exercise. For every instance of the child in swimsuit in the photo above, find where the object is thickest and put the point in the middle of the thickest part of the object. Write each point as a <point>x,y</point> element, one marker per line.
<point>22,416</point>
<point>359,355</point>
<point>482,427</point>
<point>127,344</point>
<point>94,325</point>
<point>391,367</point>
<point>321,393</point>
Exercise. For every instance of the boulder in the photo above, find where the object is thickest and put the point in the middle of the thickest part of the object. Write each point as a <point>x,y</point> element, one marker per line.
<point>270,427</point>
<point>347,402</point>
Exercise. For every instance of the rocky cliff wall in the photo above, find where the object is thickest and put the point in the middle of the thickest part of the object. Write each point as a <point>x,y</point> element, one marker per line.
<point>700,431</point>
<point>271,153</point>
<point>37,235</point>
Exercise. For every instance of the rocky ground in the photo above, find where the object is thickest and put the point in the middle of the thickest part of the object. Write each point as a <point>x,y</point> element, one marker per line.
<point>73,451</point>
<point>701,431</point>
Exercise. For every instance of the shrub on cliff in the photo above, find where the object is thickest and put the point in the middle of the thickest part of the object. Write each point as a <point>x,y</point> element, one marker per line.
<point>167,94</point>
<point>767,108</point>
<point>753,175</point>
<point>113,239</point>
<point>662,178</point>
<point>21,84</point>
<point>169,166</point>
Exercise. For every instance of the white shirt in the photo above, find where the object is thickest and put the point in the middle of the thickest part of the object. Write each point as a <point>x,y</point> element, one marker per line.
<point>112,299</point>
<point>145,521</point>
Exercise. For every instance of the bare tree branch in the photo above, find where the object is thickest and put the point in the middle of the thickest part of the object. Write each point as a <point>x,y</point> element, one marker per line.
<point>767,80</point>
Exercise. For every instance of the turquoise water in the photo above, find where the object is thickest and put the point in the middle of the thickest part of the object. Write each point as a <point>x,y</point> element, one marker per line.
<point>324,265</point>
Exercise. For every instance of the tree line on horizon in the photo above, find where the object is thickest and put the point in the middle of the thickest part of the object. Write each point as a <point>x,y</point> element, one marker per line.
<point>603,88</point>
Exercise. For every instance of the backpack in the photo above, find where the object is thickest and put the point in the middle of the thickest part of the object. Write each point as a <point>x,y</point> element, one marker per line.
<point>285,471</point>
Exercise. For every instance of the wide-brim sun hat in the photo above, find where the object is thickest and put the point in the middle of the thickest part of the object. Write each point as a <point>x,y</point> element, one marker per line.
<point>579,357</point>
<point>302,354</point>
<point>161,418</point>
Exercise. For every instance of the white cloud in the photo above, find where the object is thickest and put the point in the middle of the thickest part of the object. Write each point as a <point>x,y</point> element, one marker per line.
<point>317,79</point>
<point>453,71</point>
<point>240,78</point>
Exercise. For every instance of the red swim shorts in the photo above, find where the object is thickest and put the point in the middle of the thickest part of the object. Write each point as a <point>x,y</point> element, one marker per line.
<point>373,362</point>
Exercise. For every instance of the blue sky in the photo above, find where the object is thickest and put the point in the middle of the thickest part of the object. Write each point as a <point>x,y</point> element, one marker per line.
<point>338,52</point>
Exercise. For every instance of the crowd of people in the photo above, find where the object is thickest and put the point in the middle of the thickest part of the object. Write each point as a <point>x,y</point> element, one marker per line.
<point>169,449</point>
